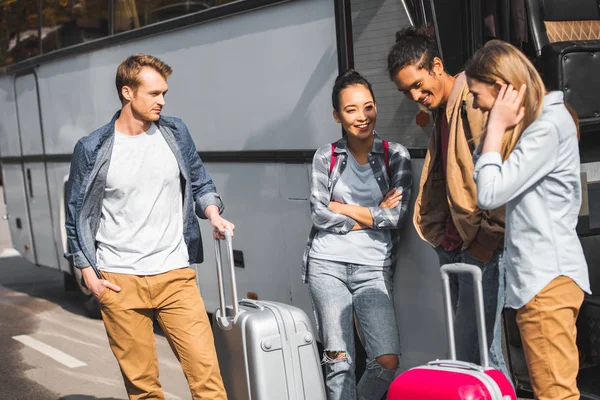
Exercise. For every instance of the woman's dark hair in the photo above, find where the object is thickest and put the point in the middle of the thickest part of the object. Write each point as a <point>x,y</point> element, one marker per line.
<point>345,79</point>
<point>414,46</point>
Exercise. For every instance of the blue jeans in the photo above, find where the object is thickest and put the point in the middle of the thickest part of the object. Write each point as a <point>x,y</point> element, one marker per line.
<point>339,290</point>
<point>463,301</point>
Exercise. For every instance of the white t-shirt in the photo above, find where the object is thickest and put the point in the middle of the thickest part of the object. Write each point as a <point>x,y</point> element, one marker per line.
<point>141,227</point>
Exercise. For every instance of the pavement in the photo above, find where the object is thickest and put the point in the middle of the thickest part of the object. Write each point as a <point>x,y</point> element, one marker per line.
<point>50,350</point>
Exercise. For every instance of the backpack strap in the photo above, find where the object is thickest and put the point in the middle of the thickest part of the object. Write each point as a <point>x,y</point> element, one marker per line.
<point>333,157</point>
<point>386,157</point>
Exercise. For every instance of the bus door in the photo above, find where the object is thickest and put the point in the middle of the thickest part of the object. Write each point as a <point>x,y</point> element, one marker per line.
<point>34,171</point>
<point>12,171</point>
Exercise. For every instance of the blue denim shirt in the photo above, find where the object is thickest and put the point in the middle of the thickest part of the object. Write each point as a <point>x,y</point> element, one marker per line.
<point>87,181</point>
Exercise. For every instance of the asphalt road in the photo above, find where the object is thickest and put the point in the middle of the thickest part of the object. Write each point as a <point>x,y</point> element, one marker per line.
<point>45,339</point>
<point>34,308</point>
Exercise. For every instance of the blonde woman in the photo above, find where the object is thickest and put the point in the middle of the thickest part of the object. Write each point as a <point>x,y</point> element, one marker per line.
<point>529,160</point>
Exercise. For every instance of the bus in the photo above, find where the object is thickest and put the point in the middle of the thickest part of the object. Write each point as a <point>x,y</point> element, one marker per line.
<point>252,80</point>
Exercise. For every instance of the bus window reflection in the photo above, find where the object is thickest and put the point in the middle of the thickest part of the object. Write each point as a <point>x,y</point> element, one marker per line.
<point>72,22</point>
<point>132,14</point>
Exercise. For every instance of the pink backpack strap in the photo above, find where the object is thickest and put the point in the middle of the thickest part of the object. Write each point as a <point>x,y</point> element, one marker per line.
<point>333,157</point>
<point>386,157</point>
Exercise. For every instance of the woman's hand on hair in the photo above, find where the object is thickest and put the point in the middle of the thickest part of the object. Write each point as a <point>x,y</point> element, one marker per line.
<point>507,110</point>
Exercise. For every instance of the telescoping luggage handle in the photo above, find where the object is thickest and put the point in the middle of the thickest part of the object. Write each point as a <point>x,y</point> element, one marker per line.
<point>222,314</point>
<point>461,268</point>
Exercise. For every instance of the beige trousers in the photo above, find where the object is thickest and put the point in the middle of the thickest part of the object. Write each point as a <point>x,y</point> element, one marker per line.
<point>548,332</point>
<point>173,298</point>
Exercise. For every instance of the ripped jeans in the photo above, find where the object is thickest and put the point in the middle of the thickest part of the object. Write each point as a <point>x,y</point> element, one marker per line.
<point>338,291</point>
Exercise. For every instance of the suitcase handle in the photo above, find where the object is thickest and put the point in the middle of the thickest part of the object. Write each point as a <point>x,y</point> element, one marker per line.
<point>251,304</point>
<point>456,364</point>
<point>222,315</point>
<point>462,268</point>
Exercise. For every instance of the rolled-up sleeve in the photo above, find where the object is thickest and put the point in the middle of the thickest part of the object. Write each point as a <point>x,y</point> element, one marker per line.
<point>203,188</point>
<point>210,199</point>
<point>322,217</point>
<point>533,157</point>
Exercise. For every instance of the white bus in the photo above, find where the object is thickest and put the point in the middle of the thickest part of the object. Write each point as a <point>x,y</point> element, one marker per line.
<point>252,80</point>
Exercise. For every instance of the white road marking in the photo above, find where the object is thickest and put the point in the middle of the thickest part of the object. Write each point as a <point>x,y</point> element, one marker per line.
<point>7,253</point>
<point>170,364</point>
<point>50,351</point>
<point>16,294</point>
<point>109,382</point>
<point>71,339</point>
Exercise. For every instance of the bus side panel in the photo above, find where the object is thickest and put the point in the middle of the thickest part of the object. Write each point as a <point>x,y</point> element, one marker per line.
<point>418,293</point>
<point>259,80</point>
<point>252,201</point>
<point>36,184</point>
<point>16,208</point>
<point>254,81</point>
<point>295,192</point>
<point>14,183</point>
<point>57,179</point>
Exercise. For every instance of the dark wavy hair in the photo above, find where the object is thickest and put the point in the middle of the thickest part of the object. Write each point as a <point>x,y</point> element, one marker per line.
<point>414,46</point>
<point>345,79</point>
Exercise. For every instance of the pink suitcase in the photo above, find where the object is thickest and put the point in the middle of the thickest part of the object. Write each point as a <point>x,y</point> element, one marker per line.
<point>452,379</point>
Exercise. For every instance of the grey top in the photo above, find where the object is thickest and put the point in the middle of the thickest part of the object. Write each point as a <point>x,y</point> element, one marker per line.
<point>357,185</point>
<point>541,187</point>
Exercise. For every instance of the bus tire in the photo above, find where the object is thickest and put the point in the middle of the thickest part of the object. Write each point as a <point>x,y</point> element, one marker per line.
<point>69,283</point>
<point>92,308</point>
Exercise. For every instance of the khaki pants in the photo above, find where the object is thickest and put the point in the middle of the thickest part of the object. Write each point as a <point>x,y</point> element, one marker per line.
<point>173,298</point>
<point>547,326</point>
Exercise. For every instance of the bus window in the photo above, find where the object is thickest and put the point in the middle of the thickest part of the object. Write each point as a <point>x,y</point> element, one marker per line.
<point>70,22</point>
<point>374,27</point>
<point>132,14</point>
<point>19,35</point>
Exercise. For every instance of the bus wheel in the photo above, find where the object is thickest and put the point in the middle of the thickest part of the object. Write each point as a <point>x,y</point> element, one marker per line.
<point>90,304</point>
<point>69,283</point>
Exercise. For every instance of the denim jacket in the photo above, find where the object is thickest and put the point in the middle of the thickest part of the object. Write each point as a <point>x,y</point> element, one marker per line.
<point>87,181</point>
<point>323,183</point>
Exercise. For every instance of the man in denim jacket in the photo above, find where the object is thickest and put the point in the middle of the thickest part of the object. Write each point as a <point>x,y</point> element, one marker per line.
<point>133,188</point>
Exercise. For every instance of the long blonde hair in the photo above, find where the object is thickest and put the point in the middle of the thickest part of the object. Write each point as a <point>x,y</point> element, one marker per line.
<point>501,61</point>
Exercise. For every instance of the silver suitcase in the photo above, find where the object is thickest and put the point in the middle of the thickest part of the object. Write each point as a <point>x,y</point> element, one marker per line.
<point>266,350</point>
